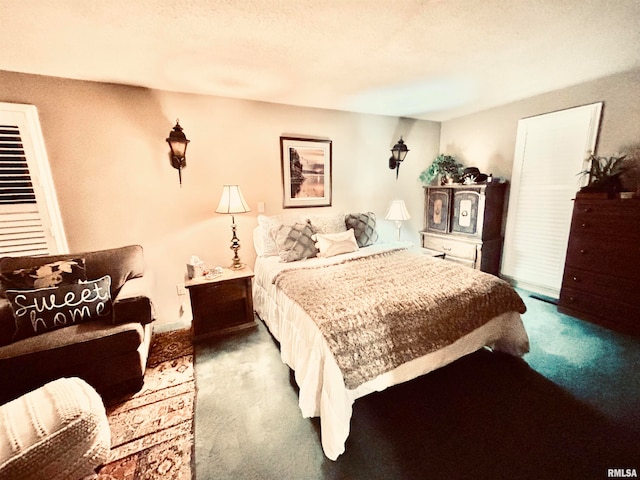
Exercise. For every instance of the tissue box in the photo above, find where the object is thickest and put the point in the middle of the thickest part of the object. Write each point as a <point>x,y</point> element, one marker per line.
<point>194,271</point>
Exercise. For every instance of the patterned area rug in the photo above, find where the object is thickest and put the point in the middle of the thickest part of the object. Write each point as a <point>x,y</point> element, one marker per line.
<point>152,430</point>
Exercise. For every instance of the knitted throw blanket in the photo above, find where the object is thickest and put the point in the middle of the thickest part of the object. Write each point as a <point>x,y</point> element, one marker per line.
<point>384,310</point>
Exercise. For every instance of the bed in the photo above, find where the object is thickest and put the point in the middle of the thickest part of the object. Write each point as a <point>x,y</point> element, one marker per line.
<point>372,315</point>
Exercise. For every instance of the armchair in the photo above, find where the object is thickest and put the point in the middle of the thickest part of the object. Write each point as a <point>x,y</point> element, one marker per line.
<point>108,352</point>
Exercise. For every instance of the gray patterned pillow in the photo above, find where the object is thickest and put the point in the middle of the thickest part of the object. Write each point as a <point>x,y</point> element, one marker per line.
<point>294,242</point>
<point>364,227</point>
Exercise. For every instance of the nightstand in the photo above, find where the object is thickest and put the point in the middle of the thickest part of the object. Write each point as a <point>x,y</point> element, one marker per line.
<point>222,305</point>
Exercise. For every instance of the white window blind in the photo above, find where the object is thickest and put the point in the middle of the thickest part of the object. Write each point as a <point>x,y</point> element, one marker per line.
<point>30,222</point>
<point>550,152</point>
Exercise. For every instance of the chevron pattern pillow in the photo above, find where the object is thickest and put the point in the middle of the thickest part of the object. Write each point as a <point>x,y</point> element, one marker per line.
<point>364,227</point>
<point>295,241</point>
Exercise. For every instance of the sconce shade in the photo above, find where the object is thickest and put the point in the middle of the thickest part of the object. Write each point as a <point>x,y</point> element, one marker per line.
<point>232,201</point>
<point>178,141</point>
<point>399,150</point>
<point>397,211</point>
<point>398,154</point>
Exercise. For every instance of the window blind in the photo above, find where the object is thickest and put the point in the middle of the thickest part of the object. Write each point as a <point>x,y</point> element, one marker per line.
<point>29,218</point>
<point>550,151</point>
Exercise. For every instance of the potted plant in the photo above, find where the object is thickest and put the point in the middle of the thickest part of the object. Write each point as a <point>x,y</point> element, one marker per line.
<point>444,166</point>
<point>604,174</point>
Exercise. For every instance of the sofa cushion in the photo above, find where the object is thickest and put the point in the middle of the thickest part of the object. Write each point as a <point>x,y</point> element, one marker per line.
<point>40,311</point>
<point>97,339</point>
<point>50,274</point>
<point>121,264</point>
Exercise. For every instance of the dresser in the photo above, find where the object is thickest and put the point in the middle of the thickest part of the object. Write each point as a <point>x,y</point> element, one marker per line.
<point>601,281</point>
<point>463,224</point>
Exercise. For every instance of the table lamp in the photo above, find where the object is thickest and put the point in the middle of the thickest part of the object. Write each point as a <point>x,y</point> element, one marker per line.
<point>397,212</point>
<point>233,202</point>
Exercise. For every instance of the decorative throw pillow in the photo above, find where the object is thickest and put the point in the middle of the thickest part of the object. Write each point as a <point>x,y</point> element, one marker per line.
<point>62,272</point>
<point>364,227</point>
<point>46,309</point>
<point>267,224</point>
<point>295,242</point>
<point>330,244</point>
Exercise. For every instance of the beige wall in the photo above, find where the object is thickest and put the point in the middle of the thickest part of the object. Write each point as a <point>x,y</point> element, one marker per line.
<point>115,186</point>
<point>487,139</point>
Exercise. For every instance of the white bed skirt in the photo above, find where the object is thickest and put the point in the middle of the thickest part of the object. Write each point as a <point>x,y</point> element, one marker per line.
<point>322,389</point>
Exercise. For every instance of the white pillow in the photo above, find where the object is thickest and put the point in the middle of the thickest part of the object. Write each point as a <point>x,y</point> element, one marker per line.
<point>331,244</point>
<point>328,222</point>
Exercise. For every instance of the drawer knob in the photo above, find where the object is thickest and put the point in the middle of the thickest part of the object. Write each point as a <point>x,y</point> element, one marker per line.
<point>575,279</point>
<point>583,251</point>
<point>588,210</point>
<point>585,225</point>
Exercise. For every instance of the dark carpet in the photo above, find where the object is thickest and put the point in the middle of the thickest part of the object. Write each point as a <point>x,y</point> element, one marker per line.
<point>568,410</point>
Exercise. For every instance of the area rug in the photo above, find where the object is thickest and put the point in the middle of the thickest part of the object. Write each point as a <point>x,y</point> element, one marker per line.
<point>152,430</point>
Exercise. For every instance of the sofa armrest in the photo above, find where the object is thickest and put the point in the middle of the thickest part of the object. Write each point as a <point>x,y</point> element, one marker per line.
<point>133,302</point>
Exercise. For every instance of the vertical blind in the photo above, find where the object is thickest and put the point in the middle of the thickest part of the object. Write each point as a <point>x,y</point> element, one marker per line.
<point>550,152</point>
<point>26,207</point>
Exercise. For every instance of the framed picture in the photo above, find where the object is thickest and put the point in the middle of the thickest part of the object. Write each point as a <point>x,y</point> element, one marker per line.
<point>306,172</point>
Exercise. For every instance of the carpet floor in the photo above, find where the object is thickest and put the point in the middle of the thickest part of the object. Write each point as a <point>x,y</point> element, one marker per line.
<point>569,410</point>
<point>152,430</point>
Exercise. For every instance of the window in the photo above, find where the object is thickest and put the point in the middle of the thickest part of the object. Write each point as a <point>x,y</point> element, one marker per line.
<point>30,222</point>
<point>550,152</point>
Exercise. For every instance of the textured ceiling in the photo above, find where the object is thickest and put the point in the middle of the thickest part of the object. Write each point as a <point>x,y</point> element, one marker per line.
<point>425,59</point>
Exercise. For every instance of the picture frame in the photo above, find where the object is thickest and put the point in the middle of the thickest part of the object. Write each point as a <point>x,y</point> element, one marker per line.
<point>306,172</point>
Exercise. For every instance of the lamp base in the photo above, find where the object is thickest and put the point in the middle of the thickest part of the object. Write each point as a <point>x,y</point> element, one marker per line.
<point>236,264</point>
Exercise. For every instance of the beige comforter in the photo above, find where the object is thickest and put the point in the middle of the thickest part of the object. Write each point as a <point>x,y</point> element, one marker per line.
<point>379,312</point>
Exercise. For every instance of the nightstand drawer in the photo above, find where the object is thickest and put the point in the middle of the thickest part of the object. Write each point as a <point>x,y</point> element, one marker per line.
<point>221,293</point>
<point>451,247</point>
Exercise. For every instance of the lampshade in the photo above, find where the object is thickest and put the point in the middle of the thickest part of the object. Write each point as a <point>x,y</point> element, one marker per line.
<point>397,211</point>
<point>232,200</point>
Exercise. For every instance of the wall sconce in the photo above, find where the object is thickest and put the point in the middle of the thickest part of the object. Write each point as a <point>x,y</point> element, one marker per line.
<point>398,152</point>
<point>232,202</point>
<point>398,213</point>
<point>178,143</point>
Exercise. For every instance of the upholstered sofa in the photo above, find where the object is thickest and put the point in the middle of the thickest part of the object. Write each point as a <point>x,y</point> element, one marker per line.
<point>48,333</point>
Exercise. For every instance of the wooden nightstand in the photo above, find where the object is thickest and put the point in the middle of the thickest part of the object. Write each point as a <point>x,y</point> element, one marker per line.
<point>222,305</point>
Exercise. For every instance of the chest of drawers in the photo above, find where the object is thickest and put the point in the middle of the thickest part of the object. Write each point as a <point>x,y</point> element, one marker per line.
<point>601,281</point>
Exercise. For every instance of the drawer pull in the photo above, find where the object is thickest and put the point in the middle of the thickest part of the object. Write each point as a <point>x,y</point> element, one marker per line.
<point>583,251</point>
<point>446,249</point>
<point>575,279</point>
<point>588,210</point>
<point>585,225</point>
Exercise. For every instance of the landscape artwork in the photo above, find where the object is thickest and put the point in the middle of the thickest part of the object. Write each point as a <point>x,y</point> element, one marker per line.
<point>306,172</point>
